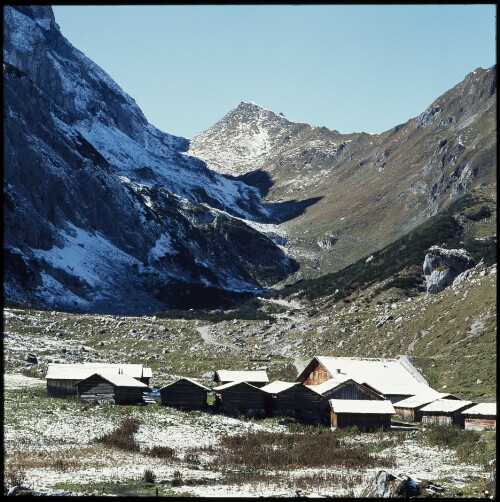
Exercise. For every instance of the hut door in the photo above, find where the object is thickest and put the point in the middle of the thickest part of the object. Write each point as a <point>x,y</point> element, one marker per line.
<point>333,420</point>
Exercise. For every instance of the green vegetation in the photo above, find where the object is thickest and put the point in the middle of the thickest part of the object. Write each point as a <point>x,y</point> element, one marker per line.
<point>406,252</point>
<point>469,446</point>
<point>248,310</point>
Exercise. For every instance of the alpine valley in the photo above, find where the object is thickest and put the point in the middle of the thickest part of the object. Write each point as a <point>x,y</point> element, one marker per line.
<point>258,244</point>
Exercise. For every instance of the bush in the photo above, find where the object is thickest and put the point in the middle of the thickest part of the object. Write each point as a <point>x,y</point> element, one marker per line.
<point>148,476</point>
<point>123,437</point>
<point>161,452</point>
<point>177,481</point>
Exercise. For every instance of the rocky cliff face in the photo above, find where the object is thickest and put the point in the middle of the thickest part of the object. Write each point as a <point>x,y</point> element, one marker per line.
<point>104,212</point>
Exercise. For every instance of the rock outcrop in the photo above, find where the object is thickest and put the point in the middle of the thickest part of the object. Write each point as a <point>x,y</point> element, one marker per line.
<point>443,266</point>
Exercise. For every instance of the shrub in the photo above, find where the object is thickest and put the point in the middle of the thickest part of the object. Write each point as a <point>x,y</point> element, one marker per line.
<point>177,481</point>
<point>161,452</point>
<point>123,437</point>
<point>148,476</point>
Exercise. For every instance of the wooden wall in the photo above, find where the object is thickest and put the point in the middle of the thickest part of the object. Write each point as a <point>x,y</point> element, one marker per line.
<point>316,374</point>
<point>95,387</point>
<point>480,423</point>
<point>241,399</point>
<point>406,413</point>
<point>61,387</point>
<point>364,422</point>
<point>184,395</point>
<point>298,402</point>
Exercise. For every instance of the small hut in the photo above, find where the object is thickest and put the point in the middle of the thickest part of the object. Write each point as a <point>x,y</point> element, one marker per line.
<point>185,394</point>
<point>348,389</point>
<point>410,408</point>
<point>481,417</point>
<point>240,398</point>
<point>366,415</point>
<point>121,389</point>
<point>61,378</point>
<point>445,412</point>
<point>257,378</point>
<point>292,399</point>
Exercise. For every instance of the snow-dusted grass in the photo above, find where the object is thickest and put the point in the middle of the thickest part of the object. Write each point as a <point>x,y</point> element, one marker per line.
<point>53,441</point>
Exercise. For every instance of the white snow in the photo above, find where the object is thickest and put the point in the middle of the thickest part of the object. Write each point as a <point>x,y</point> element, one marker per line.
<point>88,256</point>
<point>162,247</point>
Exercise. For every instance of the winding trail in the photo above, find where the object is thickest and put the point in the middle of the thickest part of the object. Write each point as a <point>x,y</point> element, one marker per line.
<point>285,351</point>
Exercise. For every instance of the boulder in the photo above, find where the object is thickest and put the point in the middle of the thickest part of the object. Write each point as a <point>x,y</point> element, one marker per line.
<point>443,266</point>
<point>383,485</point>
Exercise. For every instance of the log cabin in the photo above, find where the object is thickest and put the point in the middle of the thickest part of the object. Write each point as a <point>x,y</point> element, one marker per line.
<point>348,389</point>
<point>185,394</point>
<point>240,398</point>
<point>445,412</point>
<point>120,389</point>
<point>395,378</point>
<point>292,399</point>
<point>410,407</point>
<point>366,415</point>
<point>482,416</point>
<point>61,378</point>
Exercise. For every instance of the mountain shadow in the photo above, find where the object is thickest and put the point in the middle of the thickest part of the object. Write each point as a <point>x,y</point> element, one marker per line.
<point>278,212</point>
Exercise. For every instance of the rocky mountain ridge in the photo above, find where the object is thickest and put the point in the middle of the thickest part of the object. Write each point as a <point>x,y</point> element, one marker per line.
<point>103,211</point>
<point>369,188</point>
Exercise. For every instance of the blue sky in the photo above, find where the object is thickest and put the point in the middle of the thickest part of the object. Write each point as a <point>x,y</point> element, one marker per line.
<point>347,67</point>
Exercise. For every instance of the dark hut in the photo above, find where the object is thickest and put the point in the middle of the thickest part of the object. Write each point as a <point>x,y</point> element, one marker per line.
<point>292,399</point>
<point>185,394</point>
<point>121,389</point>
<point>240,398</point>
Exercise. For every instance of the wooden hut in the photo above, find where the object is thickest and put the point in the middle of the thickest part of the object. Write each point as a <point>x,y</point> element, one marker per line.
<point>61,378</point>
<point>348,389</point>
<point>256,378</point>
<point>366,415</point>
<point>121,389</point>
<point>482,416</point>
<point>410,407</point>
<point>445,412</point>
<point>240,398</point>
<point>185,394</point>
<point>395,378</point>
<point>292,399</point>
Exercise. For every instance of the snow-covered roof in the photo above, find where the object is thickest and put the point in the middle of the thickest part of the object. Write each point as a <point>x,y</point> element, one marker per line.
<point>388,376</point>
<point>232,384</point>
<point>189,380</point>
<point>278,386</point>
<point>328,385</point>
<point>404,389</point>
<point>242,376</point>
<point>421,399</point>
<point>361,406</point>
<point>84,370</point>
<point>482,409</point>
<point>446,405</point>
<point>118,380</point>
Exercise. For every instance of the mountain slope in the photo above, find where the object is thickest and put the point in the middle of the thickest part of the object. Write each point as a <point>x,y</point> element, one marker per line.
<point>104,212</point>
<point>371,188</point>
